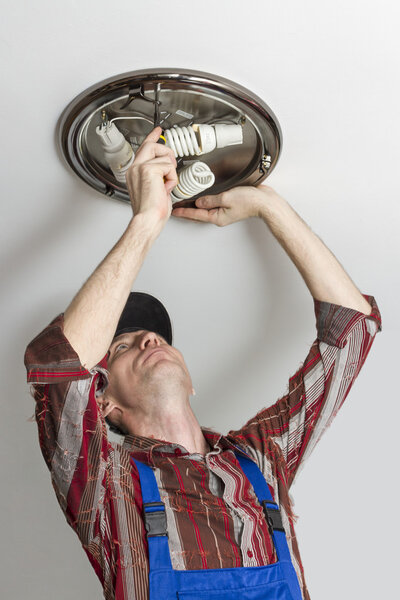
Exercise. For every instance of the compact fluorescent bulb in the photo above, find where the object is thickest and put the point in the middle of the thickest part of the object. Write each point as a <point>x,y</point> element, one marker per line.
<point>117,150</point>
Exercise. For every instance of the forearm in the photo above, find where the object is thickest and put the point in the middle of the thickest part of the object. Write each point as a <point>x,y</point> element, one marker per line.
<point>324,276</point>
<point>92,317</point>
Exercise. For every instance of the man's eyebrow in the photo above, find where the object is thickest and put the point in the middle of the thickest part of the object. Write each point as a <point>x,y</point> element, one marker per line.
<point>119,340</point>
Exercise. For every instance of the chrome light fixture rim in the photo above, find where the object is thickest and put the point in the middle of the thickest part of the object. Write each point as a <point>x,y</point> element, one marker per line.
<point>75,118</point>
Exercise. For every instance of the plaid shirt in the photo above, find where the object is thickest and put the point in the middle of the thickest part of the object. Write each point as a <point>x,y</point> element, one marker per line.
<point>214,519</point>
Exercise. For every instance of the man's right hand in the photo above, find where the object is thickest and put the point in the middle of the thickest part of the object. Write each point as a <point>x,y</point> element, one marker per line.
<point>151,178</point>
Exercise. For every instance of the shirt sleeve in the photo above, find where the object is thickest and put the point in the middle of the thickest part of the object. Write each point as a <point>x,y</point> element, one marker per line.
<point>317,390</point>
<point>72,431</point>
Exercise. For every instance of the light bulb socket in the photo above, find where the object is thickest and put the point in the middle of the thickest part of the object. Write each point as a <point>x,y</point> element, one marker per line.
<point>206,136</point>
<point>228,135</point>
<point>117,150</point>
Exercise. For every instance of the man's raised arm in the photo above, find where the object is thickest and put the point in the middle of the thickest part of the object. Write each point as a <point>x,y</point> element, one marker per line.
<point>92,317</point>
<point>323,274</point>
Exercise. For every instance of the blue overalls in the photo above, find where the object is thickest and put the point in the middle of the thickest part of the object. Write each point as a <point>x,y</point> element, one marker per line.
<point>277,581</point>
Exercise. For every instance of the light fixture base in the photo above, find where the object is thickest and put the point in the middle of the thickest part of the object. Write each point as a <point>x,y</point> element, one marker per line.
<point>184,97</point>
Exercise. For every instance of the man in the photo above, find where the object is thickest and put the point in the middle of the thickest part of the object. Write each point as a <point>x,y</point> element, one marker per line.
<point>228,514</point>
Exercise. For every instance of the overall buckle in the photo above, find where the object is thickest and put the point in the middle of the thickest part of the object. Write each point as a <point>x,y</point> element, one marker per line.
<point>273,516</point>
<point>155,519</point>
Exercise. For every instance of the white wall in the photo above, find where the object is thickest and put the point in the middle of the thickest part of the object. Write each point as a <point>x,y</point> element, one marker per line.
<point>329,71</point>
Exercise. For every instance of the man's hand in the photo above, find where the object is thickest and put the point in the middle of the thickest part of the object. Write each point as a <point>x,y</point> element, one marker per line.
<point>231,206</point>
<point>151,178</point>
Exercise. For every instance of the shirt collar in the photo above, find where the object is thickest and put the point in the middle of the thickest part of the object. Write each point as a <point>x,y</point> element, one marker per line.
<point>217,441</point>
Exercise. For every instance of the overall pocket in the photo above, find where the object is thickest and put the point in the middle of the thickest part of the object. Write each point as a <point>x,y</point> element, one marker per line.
<point>277,590</point>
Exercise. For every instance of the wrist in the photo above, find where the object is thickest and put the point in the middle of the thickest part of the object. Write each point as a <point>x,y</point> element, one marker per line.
<point>147,224</point>
<point>267,200</point>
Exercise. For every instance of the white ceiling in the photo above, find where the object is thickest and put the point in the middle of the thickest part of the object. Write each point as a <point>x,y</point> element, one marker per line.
<point>242,315</point>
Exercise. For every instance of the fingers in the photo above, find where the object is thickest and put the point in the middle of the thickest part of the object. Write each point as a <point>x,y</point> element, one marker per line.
<point>170,176</point>
<point>148,166</point>
<point>207,211</point>
<point>208,202</point>
<point>163,159</point>
<point>154,135</point>
<point>150,149</point>
<point>195,214</point>
<point>149,175</point>
<point>165,169</point>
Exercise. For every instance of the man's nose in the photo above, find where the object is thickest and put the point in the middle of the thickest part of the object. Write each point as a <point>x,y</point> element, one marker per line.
<point>149,339</point>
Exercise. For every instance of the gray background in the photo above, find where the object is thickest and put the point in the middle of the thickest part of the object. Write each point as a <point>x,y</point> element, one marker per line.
<point>242,315</point>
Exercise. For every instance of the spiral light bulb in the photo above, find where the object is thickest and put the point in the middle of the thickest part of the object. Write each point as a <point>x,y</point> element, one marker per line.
<point>192,180</point>
<point>200,139</point>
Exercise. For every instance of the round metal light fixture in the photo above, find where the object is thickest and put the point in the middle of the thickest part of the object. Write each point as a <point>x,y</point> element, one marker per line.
<point>173,98</point>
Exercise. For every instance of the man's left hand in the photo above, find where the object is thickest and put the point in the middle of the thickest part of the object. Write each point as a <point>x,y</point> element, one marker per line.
<point>231,206</point>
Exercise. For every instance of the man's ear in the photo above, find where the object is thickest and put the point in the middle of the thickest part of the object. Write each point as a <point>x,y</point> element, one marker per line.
<point>107,404</point>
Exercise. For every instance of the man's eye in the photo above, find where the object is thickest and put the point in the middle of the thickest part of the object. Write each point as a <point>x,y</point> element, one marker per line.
<point>119,346</point>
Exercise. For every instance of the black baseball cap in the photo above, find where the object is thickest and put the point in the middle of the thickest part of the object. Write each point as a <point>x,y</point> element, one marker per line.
<point>144,311</point>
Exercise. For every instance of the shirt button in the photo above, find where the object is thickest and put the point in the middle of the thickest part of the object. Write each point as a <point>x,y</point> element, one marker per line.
<point>249,554</point>
<point>178,451</point>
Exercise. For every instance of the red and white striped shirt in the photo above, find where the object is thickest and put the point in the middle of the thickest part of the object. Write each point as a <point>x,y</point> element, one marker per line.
<point>214,519</point>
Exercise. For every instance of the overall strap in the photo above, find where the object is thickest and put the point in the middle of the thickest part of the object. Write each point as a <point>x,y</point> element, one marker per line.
<point>156,523</point>
<point>155,520</point>
<point>271,509</point>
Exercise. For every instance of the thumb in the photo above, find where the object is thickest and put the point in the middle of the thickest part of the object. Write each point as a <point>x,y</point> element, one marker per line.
<point>154,135</point>
<point>169,188</point>
<point>209,201</point>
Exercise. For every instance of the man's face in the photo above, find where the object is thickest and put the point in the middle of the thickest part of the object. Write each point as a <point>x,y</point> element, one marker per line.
<point>142,363</point>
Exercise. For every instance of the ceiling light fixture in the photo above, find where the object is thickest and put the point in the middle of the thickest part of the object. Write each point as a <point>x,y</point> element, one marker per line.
<point>235,133</point>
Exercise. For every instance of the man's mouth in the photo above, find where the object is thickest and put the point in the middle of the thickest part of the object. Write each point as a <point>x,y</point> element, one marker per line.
<point>153,352</point>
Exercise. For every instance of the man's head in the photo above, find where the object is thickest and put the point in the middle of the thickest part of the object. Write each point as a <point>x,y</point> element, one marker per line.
<point>144,368</point>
